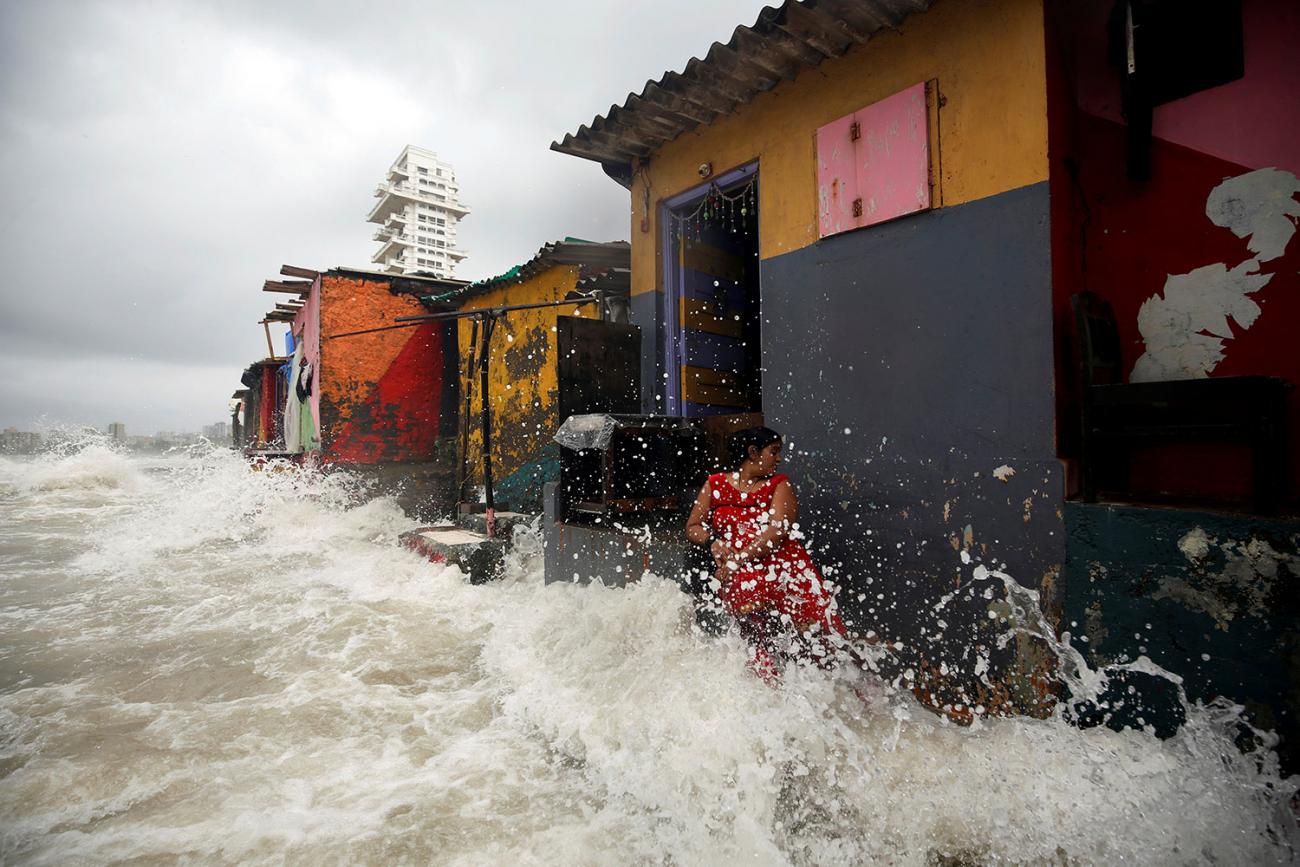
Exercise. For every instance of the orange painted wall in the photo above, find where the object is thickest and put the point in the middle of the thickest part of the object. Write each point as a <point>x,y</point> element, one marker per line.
<point>381,393</point>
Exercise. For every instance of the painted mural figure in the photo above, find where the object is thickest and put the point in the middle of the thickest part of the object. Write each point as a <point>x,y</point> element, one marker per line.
<point>765,577</point>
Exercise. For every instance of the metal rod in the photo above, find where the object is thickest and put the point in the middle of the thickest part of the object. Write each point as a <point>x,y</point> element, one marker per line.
<point>412,321</point>
<point>485,415</point>
<point>371,330</point>
<point>494,311</point>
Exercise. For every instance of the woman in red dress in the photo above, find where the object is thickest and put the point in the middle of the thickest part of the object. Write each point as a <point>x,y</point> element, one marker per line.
<point>749,519</point>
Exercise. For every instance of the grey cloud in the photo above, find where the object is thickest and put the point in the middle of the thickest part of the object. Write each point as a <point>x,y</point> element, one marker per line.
<point>161,159</point>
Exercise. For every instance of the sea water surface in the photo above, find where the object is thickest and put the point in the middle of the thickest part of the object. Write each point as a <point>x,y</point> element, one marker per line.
<point>203,664</point>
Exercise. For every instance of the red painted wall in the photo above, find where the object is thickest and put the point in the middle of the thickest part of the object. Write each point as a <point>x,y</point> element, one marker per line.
<point>267,412</point>
<point>399,418</point>
<point>384,396</point>
<point>1122,239</point>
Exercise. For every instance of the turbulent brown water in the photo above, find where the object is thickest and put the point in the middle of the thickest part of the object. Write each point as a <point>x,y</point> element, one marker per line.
<point>204,664</point>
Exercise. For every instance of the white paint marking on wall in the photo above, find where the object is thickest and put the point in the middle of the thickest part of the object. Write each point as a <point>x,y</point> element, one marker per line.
<point>1195,545</point>
<point>1185,328</point>
<point>1003,473</point>
<point>1260,205</point>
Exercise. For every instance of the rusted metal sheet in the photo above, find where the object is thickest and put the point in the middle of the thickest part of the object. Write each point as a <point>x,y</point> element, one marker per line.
<point>837,177</point>
<point>599,366</point>
<point>592,257</point>
<point>874,165</point>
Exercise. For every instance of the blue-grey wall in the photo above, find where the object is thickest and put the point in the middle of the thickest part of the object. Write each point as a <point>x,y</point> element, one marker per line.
<point>1211,597</point>
<point>646,312</point>
<point>905,364</point>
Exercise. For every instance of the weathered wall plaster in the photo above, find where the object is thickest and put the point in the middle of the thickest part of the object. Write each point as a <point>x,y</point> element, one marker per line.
<point>1212,598</point>
<point>1260,206</point>
<point>1184,330</point>
<point>384,395</point>
<point>1211,153</point>
<point>522,370</point>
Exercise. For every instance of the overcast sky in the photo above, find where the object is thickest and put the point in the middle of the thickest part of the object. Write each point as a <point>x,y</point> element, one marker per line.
<point>159,160</point>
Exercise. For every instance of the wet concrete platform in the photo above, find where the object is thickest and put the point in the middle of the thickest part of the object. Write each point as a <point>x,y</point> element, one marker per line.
<point>466,544</point>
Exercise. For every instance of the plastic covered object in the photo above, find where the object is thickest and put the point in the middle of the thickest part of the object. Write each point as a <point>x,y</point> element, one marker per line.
<point>590,431</point>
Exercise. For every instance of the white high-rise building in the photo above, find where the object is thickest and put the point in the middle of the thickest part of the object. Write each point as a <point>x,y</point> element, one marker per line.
<point>417,212</point>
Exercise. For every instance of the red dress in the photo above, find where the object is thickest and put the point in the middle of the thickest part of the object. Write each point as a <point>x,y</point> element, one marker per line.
<point>785,582</point>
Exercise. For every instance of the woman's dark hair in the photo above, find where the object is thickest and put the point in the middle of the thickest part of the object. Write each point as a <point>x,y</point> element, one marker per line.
<point>739,443</point>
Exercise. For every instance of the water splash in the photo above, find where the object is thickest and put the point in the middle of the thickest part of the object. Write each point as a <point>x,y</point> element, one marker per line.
<point>232,665</point>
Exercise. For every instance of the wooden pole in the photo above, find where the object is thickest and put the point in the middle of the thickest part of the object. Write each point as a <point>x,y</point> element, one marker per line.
<point>462,472</point>
<point>485,419</point>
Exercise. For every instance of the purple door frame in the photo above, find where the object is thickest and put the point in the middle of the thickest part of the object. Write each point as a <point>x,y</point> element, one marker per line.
<point>674,336</point>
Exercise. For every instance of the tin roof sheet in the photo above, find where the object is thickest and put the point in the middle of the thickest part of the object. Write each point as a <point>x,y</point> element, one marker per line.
<point>592,257</point>
<point>784,41</point>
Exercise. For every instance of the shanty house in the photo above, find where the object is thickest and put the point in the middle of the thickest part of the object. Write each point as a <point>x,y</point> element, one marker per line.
<point>966,255</point>
<point>546,359</point>
<point>372,393</point>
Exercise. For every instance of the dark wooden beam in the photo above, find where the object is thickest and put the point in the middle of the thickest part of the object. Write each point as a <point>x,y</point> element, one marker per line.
<point>289,287</point>
<point>295,271</point>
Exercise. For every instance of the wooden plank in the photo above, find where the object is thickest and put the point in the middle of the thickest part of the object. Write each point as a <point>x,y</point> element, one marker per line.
<point>709,376</point>
<point>599,366</point>
<point>288,287</point>
<point>703,316</point>
<point>710,394</point>
<point>711,260</point>
<point>295,271</point>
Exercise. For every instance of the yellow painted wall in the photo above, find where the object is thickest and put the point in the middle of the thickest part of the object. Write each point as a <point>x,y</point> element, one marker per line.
<point>523,369</point>
<point>988,58</point>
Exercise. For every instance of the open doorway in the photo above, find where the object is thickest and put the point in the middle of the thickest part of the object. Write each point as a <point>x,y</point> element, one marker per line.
<point>711,298</point>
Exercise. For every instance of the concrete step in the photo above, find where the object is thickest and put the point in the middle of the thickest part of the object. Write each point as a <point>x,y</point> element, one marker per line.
<point>465,544</point>
<point>477,555</point>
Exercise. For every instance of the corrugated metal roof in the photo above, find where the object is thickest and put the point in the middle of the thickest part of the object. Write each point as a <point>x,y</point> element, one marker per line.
<point>783,42</point>
<point>615,281</point>
<point>592,257</point>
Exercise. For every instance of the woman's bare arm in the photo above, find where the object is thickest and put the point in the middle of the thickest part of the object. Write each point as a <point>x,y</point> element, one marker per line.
<point>783,514</point>
<point>695,529</point>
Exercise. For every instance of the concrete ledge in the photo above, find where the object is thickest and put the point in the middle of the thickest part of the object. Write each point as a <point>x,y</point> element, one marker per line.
<point>480,557</point>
